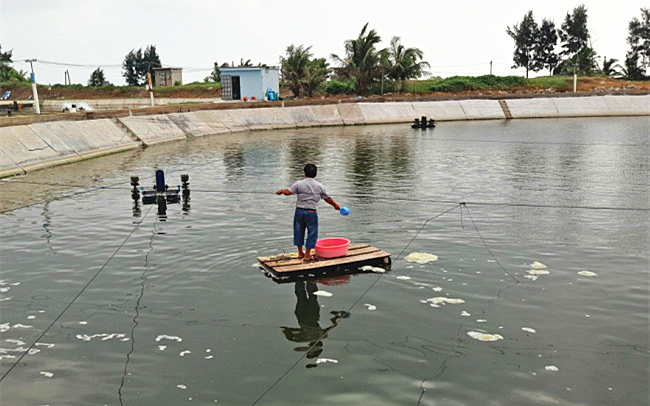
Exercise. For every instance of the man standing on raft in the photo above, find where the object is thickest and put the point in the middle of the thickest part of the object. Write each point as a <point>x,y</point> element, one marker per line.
<point>309,192</point>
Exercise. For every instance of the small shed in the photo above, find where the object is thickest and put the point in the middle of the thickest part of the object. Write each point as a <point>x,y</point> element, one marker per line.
<point>167,76</point>
<point>249,83</point>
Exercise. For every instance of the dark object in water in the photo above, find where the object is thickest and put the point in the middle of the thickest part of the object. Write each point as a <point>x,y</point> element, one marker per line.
<point>422,124</point>
<point>161,190</point>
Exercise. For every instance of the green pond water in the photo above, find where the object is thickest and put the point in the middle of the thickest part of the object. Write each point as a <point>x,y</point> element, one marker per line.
<point>104,302</point>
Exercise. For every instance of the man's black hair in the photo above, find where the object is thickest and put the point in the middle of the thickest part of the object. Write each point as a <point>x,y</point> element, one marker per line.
<point>310,170</point>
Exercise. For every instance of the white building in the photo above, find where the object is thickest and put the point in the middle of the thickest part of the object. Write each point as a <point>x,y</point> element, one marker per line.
<point>252,83</point>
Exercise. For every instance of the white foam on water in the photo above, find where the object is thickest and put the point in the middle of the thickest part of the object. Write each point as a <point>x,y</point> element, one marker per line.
<point>444,300</point>
<point>325,360</point>
<point>5,290</point>
<point>465,314</point>
<point>4,299</point>
<point>19,349</point>
<point>587,273</point>
<point>481,321</point>
<point>403,278</point>
<point>162,347</point>
<point>103,336</point>
<point>21,326</point>
<point>538,272</point>
<point>45,345</point>
<point>6,357</point>
<point>323,293</point>
<point>183,353</point>
<point>171,338</point>
<point>31,317</point>
<point>366,268</point>
<point>529,330</point>
<point>181,386</point>
<point>551,368</point>
<point>208,350</point>
<point>83,322</point>
<point>437,289</point>
<point>370,307</point>
<point>531,277</point>
<point>208,357</point>
<point>421,257</point>
<point>47,374</point>
<point>4,327</point>
<point>17,342</point>
<point>538,265</point>
<point>484,336</point>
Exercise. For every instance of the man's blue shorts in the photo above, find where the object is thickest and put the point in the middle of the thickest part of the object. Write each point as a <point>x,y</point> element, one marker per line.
<point>305,219</point>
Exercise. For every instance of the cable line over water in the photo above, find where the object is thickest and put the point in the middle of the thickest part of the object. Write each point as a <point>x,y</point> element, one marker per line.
<point>116,186</point>
<point>38,339</point>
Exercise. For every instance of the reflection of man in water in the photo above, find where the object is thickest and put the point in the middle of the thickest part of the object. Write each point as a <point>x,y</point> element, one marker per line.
<point>308,314</point>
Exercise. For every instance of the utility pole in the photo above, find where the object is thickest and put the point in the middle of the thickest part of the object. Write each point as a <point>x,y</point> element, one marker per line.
<point>34,90</point>
<point>150,89</point>
<point>490,68</point>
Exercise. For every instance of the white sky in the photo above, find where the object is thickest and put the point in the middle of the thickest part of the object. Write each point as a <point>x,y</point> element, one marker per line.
<point>457,37</point>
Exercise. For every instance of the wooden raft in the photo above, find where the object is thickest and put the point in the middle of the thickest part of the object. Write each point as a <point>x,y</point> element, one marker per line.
<point>358,255</point>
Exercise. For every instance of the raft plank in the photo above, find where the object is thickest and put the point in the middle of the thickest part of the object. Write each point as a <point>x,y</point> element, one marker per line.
<point>357,246</point>
<point>362,249</point>
<point>326,263</point>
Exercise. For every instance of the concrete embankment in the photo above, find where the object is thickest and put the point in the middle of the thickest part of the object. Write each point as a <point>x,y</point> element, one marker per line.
<point>29,147</point>
<point>113,104</point>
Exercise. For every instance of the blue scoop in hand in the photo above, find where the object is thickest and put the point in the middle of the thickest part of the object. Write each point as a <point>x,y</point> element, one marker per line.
<point>344,211</point>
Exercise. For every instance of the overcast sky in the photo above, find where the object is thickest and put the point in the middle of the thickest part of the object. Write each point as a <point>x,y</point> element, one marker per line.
<point>457,37</point>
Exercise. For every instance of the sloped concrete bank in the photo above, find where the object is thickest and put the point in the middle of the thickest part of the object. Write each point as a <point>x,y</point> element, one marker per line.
<point>30,147</point>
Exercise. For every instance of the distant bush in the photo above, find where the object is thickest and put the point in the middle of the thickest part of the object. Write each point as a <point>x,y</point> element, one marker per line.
<point>73,87</point>
<point>554,82</point>
<point>376,87</point>
<point>454,84</point>
<point>337,87</point>
<point>485,82</point>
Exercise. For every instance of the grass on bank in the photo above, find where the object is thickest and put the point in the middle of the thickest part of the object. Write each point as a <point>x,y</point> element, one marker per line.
<point>450,85</point>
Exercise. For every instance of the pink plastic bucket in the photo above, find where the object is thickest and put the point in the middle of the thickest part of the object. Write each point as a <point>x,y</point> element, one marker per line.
<point>332,247</point>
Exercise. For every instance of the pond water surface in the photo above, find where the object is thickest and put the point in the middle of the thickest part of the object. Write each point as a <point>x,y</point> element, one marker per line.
<point>108,303</point>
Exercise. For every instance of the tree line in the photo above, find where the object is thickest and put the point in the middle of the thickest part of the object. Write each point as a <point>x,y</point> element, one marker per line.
<point>535,46</point>
<point>363,68</point>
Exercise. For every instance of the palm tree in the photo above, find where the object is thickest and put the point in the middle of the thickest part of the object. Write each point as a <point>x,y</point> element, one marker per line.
<point>315,75</point>
<point>294,66</point>
<point>611,68</point>
<point>362,59</point>
<point>245,64</point>
<point>403,63</point>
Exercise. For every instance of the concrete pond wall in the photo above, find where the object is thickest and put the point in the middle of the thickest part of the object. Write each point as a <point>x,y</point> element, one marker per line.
<point>26,148</point>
